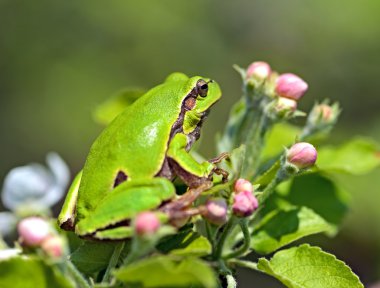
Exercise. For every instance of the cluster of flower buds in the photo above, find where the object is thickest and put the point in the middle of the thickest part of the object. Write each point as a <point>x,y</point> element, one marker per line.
<point>147,223</point>
<point>301,155</point>
<point>245,203</point>
<point>286,89</point>
<point>37,232</point>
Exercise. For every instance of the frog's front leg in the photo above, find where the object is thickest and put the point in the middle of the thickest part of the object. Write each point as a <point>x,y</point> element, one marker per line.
<point>186,167</point>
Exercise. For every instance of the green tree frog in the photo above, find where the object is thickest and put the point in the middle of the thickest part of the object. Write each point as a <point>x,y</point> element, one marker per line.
<point>131,164</point>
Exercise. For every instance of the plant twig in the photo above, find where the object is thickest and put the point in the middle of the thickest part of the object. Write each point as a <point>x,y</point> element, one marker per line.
<point>219,249</point>
<point>231,282</point>
<point>247,241</point>
<point>77,276</point>
<point>113,261</point>
<point>245,264</point>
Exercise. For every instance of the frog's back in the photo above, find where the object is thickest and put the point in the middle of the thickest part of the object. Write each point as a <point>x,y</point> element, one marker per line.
<point>135,143</point>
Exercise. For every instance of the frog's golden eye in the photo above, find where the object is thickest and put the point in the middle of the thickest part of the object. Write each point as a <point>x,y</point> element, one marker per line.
<point>202,88</point>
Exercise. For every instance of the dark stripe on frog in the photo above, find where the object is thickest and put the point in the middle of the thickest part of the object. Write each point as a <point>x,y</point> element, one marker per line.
<point>166,170</point>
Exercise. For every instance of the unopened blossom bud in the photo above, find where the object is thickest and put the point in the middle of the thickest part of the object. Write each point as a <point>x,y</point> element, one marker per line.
<point>243,185</point>
<point>244,204</point>
<point>53,246</point>
<point>325,111</point>
<point>285,105</point>
<point>302,155</point>
<point>259,70</point>
<point>290,86</point>
<point>33,230</point>
<point>324,114</point>
<point>147,223</point>
<point>216,211</point>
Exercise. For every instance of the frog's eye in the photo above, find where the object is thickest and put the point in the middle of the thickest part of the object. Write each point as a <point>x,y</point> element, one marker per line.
<point>202,88</point>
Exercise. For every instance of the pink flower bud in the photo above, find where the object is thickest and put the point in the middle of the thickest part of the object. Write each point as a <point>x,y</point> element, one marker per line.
<point>53,246</point>
<point>147,223</point>
<point>285,105</point>
<point>216,211</point>
<point>33,230</point>
<point>290,86</point>
<point>243,185</point>
<point>259,70</point>
<point>325,111</point>
<point>302,155</point>
<point>244,204</point>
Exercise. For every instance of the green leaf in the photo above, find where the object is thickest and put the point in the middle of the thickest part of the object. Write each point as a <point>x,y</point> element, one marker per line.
<point>359,156</point>
<point>234,164</point>
<point>186,243</point>
<point>321,194</point>
<point>197,247</point>
<point>89,262</point>
<point>281,135</point>
<point>20,272</point>
<point>112,107</point>
<point>229,139</point>
<point>161,271</point>
<point>265,178</point>
<point>286,226</point>
<point>309,267</point>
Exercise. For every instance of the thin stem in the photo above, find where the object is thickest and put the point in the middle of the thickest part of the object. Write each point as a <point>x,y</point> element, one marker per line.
<point>245,264</point>
<point>113,261</point>
<point>280,176</point>
<point>255,137</point>
<point>268,190</point>
<point>247,241</point>
<point>223,270</point>
<point>78,277</point>
<point>219,249</point>
<point>231,282</point>
<point>210,235</point>
<point>140,246</point>
<point>133,255</point>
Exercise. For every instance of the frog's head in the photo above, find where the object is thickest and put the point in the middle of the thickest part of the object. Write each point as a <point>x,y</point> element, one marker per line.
<point>205,93</point>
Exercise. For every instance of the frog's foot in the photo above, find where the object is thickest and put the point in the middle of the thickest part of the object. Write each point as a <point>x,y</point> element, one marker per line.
<point>180,218</point>
<point>186,199</point>
<point>224,173</point>
<point>180,210</point>
<point>220,171</point>
<point>220,158</point>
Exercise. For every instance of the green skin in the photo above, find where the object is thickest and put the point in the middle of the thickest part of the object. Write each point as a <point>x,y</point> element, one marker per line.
<point>131,164</point>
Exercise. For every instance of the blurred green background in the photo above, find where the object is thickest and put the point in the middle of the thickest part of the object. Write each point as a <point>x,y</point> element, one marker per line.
<point>59,59</point>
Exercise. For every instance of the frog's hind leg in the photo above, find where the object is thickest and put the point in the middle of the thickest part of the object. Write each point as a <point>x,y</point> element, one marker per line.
<point>122,204</point>
<point>117,233</point>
